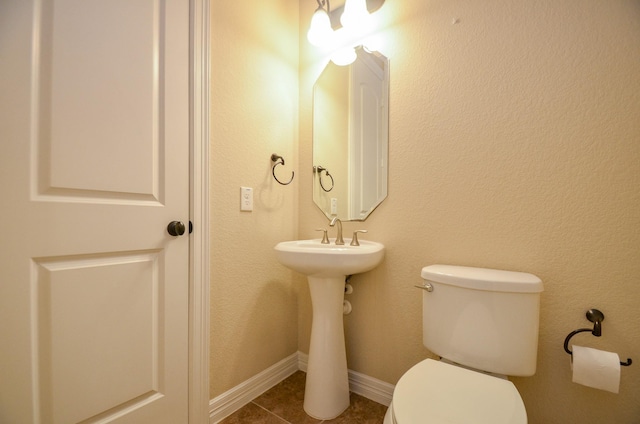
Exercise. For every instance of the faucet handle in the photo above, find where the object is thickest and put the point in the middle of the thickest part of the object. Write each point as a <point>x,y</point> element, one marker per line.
<point>325,237</point>
<point>354,239</point>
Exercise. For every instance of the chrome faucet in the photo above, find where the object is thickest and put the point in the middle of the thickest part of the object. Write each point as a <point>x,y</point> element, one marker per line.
<point>339,239</point>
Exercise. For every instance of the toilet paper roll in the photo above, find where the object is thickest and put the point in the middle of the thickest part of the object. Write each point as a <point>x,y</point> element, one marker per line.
<point>596,368</point>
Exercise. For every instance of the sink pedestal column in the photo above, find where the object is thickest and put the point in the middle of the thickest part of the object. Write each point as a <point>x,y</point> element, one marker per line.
<point>327,386</point>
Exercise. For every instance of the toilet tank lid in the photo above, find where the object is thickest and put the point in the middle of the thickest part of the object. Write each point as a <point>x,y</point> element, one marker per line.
<point>483,278</point>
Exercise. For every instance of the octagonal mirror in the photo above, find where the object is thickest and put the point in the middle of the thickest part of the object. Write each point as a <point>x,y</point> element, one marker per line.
<point>351,137</point>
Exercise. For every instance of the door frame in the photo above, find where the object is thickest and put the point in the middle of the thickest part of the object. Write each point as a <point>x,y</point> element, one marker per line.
<point>199,309</point>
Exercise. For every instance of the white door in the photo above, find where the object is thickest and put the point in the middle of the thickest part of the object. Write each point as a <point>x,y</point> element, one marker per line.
<point>94,163</point>
<point>368,141</point>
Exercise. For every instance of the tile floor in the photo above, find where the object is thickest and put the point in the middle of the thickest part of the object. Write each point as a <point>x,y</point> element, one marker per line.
<point>283,404</point>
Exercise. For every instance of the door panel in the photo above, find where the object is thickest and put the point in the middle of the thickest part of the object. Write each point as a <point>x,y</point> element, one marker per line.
<point>98,83</point>
<point>97,319</point>
<point>94,123</point>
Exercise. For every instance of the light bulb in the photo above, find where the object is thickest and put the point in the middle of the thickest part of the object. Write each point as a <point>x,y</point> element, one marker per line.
<point>344,57</point>
<point>356,17</point>
<point>320,31</point>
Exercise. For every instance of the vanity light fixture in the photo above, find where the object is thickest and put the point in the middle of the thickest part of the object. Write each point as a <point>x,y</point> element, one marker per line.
<point>320,31</point>
<point>356,18</point>
<point>356,24</point>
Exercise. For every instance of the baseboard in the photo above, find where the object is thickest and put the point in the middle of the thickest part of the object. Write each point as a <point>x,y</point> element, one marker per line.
<point>230,401</point>
<point>369,387</point>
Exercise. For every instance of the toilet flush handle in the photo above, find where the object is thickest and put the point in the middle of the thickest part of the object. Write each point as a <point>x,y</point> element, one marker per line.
<point>425,286</point>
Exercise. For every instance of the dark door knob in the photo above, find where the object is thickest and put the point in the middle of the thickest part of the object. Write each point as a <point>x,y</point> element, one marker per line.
<point>176,228</point>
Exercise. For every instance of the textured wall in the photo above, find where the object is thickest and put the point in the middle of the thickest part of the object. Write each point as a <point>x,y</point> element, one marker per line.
<point>514,144</point>
<point>254,113</point>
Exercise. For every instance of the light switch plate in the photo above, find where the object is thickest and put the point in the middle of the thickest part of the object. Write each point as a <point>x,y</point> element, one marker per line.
<point>246,199</point>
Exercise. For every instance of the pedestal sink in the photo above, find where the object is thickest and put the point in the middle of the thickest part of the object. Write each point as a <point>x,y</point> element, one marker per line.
<point>326,266</point>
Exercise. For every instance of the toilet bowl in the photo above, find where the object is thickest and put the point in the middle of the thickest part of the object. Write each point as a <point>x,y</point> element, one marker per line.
<point>433,392</point>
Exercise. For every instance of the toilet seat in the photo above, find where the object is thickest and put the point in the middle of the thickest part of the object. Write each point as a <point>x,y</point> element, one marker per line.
<point>434,392</point>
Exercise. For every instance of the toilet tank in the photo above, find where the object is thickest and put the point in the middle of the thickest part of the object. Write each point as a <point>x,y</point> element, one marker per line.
<point>482,318</point>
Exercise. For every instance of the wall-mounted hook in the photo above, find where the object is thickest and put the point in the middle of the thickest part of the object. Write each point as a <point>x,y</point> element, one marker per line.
<point>279,160</point>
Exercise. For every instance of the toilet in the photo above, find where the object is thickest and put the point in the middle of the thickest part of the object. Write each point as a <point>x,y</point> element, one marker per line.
<point>483,324</point>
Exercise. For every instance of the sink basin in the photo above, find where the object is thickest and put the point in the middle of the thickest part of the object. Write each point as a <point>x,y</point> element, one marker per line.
<point>326,392</point>
<point>312,258</point>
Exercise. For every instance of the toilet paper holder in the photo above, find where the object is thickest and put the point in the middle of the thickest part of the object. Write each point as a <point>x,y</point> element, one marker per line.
<point>596,317</point>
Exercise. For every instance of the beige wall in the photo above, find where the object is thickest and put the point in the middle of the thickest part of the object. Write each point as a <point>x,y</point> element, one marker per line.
<point>514,144</point>
<point>254,113</point>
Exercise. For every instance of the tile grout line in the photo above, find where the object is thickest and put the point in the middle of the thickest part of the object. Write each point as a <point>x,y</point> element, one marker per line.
<point>272,413</point>
<point>278,416</point>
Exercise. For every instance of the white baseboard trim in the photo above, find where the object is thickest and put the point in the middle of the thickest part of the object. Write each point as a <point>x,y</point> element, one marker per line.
<point>363,385</point>
<point>230,401</point>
